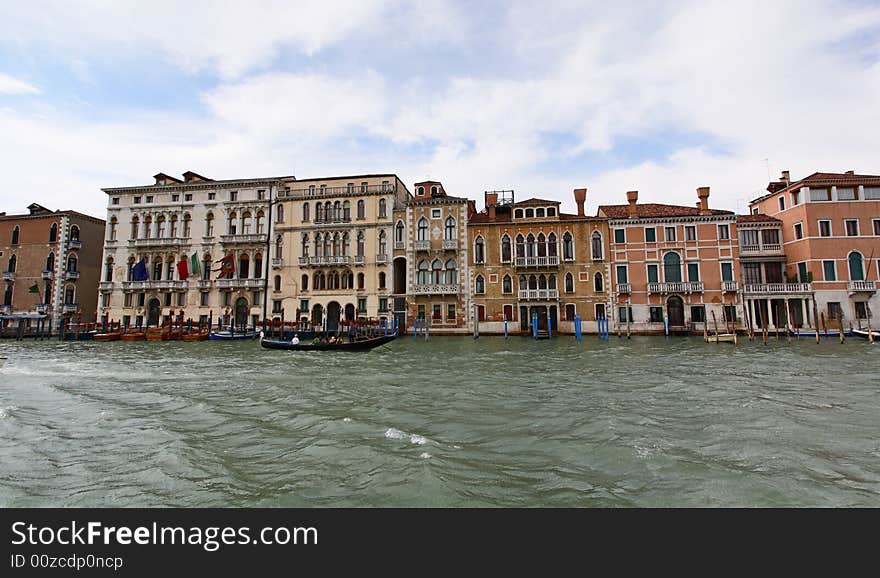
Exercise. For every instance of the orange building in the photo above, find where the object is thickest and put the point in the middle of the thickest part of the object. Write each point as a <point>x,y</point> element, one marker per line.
<point>830,229</point>
<point>672,266</point>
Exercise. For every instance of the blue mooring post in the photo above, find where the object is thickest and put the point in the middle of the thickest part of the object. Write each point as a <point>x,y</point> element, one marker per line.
<point>535,325</point>
<point>577,327</point>
<point>505,326</point>
<point>549,325</point>
<point>666,324</point>
<point>415,328</point>
<point>427,328</point>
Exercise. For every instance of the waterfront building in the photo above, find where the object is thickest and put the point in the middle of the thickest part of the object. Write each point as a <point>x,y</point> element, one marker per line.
<point>51,263</point>
<point>331,254</point>
<point>431,269</point>
<point>672,265</point>
<point>530,261</point>
<point>180,229</point>
<point>830,233</point>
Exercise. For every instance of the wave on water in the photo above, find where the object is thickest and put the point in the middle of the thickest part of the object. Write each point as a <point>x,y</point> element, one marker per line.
<point>7,411</point>
<point>425,455</point>
<point>396,434</point>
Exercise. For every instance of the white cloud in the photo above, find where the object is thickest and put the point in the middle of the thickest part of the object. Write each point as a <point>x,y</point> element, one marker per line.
<point>10,85</point>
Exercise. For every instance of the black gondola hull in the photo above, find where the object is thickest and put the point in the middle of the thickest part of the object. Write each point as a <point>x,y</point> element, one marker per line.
<point>360,345</point>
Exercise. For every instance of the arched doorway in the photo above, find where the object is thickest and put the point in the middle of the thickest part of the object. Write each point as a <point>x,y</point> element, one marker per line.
<point>317,315</point>
<point>241,312</point>
<point>349,312</point>
<point>333,310</point>
<point>400,275</point>
<point>675,311</point>
<point>153,312</point>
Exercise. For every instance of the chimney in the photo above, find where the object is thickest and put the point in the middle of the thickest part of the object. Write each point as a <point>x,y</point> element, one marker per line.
<point>491,201</point>
<point>471,208</point>
<point>703,195</point>
<point>631,198</point>
<point>580,195</point>
<point>850,172</point>
<point>786,178</point>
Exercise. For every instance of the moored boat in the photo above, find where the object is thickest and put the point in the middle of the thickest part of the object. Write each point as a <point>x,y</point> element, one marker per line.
<point>863,333</point>
<point>721,338</point>
<point>109,336</point>
<point>226,335</point>
<point>355,345</point>
<point>195,336</point>
<point>134,335</point>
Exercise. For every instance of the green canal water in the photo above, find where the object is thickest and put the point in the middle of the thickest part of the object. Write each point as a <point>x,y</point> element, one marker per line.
<point>448,422</point>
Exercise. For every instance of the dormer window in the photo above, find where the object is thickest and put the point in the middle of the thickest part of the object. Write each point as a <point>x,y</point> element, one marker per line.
<point>530,213</point>
<point>433,190</point>
<point>551,211</point>
<point>539,212</point>
<point>518,214</point>
<point>137,200</point>
<point>160,182</point>
<point>420,191</point>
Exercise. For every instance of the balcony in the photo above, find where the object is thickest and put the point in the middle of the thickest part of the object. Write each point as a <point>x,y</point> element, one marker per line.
<point>240,283</point>
<point>5,309</point>
<point>684,287</point>
<point>328,260</point>
<point>74,244</point>
<point>381,258</point>
<point>538,294</point>
<point>332,220</point>
<point>435,289</point>
<point>9,275</point>
<point>43,307</point>
<point>159,285</point>
<point>450,244</point>
<point>624,288</point>
<point>243,239</point>
<point>762,249</point>
<point>399,245</point>
<point>729,286</point>
<point>859,286</point>
<point>70,307</point>
<point>359,259</point>
<point>159,242</point>
<point>71,274</point>
<point>204,284</point>
<point>778,288</point>
<point>105,286</point>
<point>337,191</point>
<point>422,245</point>
<point>48,274</point>
<point>549,261</point>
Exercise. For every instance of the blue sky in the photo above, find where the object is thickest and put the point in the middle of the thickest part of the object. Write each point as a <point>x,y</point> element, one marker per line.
<point>661,97</point>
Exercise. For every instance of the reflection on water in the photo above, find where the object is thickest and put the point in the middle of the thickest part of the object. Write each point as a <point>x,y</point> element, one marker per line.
<point>451,422</point>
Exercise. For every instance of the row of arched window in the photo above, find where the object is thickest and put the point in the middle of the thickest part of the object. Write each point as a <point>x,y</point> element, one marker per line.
<point>532,282</point>
<point>336,244</point>
<point>161,227</point>
<point>532,213</point>
<point>53,233</point>
<point>336,212</point>
<point>72,262</point>
<point>422,229</point>
<point>437,273</point>
<point>331,280</point>
<point>537,246</point>
<point>69,293</point>
<point>165,267</point>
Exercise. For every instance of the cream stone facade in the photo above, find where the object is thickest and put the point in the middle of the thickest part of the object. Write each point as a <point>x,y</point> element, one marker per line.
<point>169,222</point>
<point>332,249</point>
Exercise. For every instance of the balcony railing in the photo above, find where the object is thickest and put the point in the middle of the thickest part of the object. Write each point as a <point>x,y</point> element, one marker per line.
<point>204,283</point>
<point>435,289</point>
<point>762,248</point>
<point>337,191</point>
<point>683,287</point>
<point>331,220</point>
<point>48,274</point>
<point>5,309</point>
<point>862,286</point>
<point>159,241</point>
<point>549,261</point>
<point>160,285</point>
<point>74,244</point>
<point>399,245</point>
<point>538,294</point>
<point>240,283</point>
<point>43,307</point>
<point>105,285</point>
<point>777,288</point>
<point>422,245</point>
<point>9,275</point>
<point>330,260</point>
<point>729,286</point>
<point>69,307</point>
<point>242,239</point>
<point>450,244</point>
<point>277,262</point>
<point>71,274</point>
<point>381,258</point>
<point>359,259</point>
<point>624,288</point>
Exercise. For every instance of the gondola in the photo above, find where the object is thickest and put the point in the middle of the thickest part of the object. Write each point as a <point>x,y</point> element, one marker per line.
<point>226,335</point>
<point>357,345</point>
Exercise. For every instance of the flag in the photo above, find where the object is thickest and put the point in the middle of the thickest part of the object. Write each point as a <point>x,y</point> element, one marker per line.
<point>34,289</point>
<point>227,267</point>
<point>139,271</point>
<point>194,265</point>
<point>182,270</point>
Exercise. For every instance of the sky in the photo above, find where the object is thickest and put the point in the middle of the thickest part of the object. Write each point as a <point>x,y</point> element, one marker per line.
<point>539,97</point>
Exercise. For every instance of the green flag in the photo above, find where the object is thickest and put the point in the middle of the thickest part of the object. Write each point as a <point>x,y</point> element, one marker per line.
<point>34,289</point>
<point>194,265</point>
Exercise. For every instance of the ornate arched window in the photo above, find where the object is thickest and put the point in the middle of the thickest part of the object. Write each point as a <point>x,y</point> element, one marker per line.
<point>246,223</point>
<point>74,233</point>
<point>569,283</point>
<point>259,222</point>
<point>423,273</point>
<point>422,231</point>
<point>71,263</point>
<point>596,246</point>
<point>277,282</point>
<point>505,249</point>
<point>305,212</point>
<point>187,226</point>
<point>360,284</point>
<point>361,209</point>
<point>232,224</point>
<point>148,227</point>
<point>279,244</point>
<point>479,250</point>
<point>361,244</point>
<point>567,247</point>
<point>506,284</point>
<point>279,213</point>
<point>398,233</point>
<point>542,245</point>
<point>436,271</point>
<point>160,227</point>
<point>520,246</point>
<point>15,231</point>
<point>856,266</point>
<point>10,267</point>
<point>243,266</point>
<point>209,225</point>
<point>531,249</point>
<point>672,267</point>
<point>258,265</point>
<point>383,246</point>
<point>305,245</point>
<point>50,261</point>
<point>383,208</point>
<point>381,280</point>
<point>598,283</point>
<point>346,211</point>
<point>114,222</point>
<point>451,272</point>
<point>53,232</point>
<point>108,269</point>
<point>479,285</point>
<point>303,282</point>
<point>345,240</point>
<point>337,211</point>
<point>172,227</point>
<point>552,245</point>
<point>542,281</point>
<point>449,228</point>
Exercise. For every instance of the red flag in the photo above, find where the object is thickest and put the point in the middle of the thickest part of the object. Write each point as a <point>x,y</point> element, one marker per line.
<point>227,267</point>
<point>183,269</point>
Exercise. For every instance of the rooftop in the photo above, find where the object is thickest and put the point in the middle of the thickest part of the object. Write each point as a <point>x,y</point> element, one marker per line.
<point>655,210</point>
